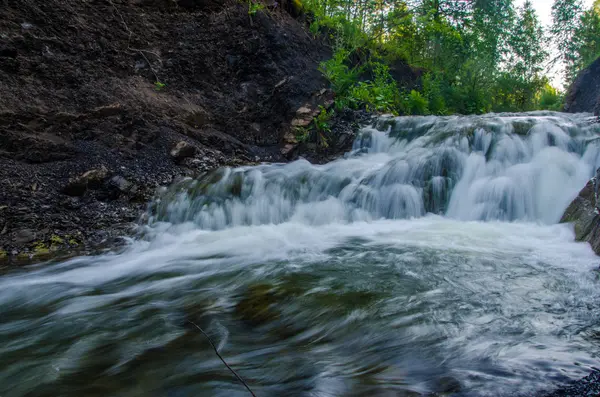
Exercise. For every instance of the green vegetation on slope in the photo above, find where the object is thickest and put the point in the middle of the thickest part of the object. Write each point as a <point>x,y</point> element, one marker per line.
<point>473,56</point>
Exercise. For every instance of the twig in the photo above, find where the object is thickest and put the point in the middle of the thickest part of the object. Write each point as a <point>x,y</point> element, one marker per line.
<point>141,52</point>
<point>224,362</point>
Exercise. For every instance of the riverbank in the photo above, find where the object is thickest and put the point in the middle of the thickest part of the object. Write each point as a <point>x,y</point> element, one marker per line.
<point>103,103</point>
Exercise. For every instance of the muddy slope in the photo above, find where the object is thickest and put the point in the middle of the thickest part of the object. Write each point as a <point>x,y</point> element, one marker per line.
<point>584,93</point>
<point>97,94</point>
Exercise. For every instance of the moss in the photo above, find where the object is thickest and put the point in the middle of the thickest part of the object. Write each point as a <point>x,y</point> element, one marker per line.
<point>235,189</point>
<point>23,256</point>
<point>40,249</point>
<point>55,239</point>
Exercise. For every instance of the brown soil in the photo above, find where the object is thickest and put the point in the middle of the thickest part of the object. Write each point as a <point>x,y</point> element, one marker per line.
<point>80,93</point>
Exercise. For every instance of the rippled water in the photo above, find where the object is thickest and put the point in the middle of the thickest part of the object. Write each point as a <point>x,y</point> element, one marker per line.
<point>428,260</point>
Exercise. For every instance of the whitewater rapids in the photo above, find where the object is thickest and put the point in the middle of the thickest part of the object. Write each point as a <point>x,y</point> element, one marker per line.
<point>429,259</point>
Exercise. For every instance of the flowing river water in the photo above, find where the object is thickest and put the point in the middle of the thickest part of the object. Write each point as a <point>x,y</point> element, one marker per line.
<point>427,260</point>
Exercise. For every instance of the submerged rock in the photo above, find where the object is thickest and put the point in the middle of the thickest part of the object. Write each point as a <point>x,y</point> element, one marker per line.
<point>585,220</point>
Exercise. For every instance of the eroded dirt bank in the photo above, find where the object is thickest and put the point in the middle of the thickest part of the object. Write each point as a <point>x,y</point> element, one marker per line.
<point>103,101</point>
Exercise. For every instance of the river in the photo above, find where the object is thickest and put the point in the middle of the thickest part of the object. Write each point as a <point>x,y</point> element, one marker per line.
<point>427,260</point>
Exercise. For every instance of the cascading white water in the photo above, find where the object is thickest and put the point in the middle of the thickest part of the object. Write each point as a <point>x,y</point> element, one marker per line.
<point>509,167</point>
<point>425,262</point>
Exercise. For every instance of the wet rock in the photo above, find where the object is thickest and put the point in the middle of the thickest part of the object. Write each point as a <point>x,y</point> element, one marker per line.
<point>256,307</point>
<point>585,221</point>
<point>182,150</point>
<point>586,387</point>
<point>448,384</point>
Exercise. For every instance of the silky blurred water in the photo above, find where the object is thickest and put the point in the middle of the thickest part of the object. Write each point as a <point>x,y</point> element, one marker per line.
<point>426,261</point>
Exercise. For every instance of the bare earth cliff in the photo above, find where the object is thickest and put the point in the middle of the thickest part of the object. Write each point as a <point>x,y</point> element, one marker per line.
<point>103,101</point>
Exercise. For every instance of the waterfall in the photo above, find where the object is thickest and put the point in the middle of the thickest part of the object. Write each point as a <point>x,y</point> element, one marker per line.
<point>503,167</point>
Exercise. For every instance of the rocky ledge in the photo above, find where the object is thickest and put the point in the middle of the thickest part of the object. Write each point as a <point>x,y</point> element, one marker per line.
<point>585,221</point>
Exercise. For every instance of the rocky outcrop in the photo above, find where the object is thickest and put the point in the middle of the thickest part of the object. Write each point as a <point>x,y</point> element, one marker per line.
<point>585,221</point>
<point>584,93</point>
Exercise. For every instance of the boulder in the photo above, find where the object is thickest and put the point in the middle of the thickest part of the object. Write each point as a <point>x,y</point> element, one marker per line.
<point>585,221</point>
<point>584,93</point>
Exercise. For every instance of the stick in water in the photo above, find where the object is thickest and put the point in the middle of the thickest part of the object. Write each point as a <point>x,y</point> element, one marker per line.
<point>224,362</point>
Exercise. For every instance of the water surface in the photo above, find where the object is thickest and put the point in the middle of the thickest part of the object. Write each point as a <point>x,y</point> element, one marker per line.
<point>428,260</point>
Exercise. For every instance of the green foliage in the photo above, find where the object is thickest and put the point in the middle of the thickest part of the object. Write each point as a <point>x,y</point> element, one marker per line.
<point>588,38</point>
<point>321,121</point>
<point>379,94</point>
<point>318,131</point>
<point>577,34</point>
<point>254,7</point>
<point>475,56</point>
<point>566,15</point>
<point>433,90</point>
<point>415,103</point>
<point>159,86</point>
<point>340,75</point>
<point>550,99</point>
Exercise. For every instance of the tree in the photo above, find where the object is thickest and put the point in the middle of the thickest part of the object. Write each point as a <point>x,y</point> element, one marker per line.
<point>527,56</point>
<point>566,20</point>
<point>587,37</point>
<point>492,23</point>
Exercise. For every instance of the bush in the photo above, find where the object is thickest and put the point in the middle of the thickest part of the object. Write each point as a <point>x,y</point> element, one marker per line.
<point>415,103</point>
<point>432,90</point>
<point>550,99</point>
<point>340,76</point>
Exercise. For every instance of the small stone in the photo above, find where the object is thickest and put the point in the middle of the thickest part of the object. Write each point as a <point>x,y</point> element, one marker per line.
<point>121,183</point>
<point>182,150</point>
<point>93,179</point>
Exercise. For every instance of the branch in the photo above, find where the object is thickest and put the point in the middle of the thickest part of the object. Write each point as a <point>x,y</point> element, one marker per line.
<point>224,362</point>
<point>141,52</point>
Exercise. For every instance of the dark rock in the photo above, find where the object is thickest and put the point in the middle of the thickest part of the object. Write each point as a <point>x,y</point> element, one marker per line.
<point>586,387</point>
<point>182,151</point>
<point>75,187</point>
<point>584,93</point>
<point>24,236</point>
<point>585,221</point>
<point>448,384</point>
<point>122,184</point>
